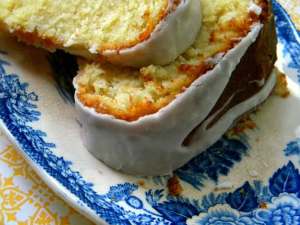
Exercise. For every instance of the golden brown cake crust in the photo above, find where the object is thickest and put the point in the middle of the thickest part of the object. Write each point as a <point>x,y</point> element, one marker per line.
<point>156,140</point>
<point>237,29</point>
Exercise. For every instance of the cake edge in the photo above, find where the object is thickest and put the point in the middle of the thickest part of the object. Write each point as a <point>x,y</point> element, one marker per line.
<point>152,145</point>
<point>139,54</point>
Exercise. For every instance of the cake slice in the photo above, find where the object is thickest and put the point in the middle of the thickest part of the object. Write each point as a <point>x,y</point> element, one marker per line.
<point>151,121</point>
<point>130,32</point>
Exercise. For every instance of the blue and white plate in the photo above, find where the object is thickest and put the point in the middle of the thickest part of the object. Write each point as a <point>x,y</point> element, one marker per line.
<point>253,179</point>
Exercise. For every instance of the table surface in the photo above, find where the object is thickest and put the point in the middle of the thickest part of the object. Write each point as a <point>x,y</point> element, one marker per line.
<point>26,199</point>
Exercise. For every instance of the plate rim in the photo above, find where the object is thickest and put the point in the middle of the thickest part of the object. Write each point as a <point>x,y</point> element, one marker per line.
<point>54,184</point>
<point>72,199</point>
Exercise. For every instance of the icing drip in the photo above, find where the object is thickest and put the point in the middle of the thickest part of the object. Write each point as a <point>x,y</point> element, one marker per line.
<point>152,145</point>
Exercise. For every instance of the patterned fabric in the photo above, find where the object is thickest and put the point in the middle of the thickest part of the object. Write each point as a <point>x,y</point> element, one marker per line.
<point>26,199</point>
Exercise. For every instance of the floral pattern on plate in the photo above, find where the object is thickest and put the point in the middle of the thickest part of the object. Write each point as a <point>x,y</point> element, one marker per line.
<point>276,202</point>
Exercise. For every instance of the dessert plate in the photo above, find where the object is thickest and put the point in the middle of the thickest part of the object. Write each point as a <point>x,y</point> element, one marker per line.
<point>247,178</point>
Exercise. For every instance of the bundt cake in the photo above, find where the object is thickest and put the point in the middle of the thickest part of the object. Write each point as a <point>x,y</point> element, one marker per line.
<point>152,120</point>
<point>130,32</point>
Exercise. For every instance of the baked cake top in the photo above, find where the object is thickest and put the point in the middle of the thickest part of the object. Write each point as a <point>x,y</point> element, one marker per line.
<point>129,94</point>
<point>99,27</point>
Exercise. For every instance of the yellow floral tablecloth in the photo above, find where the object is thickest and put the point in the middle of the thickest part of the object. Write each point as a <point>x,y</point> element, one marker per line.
<point>25,199</point>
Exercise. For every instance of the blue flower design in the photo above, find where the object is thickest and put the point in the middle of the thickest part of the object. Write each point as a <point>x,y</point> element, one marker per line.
<point>284,209</point>
<point>121,191</point>
<point>143,219</point>
<point>153,198</point>
<point>134,202</point>
<point>213,163</point>
<point>221,215</point>
<point>17,109</point>
<point>293,148</point>
<point>161,222</point>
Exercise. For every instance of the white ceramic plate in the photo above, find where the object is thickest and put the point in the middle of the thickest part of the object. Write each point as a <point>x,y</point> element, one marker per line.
<point>257,176</point>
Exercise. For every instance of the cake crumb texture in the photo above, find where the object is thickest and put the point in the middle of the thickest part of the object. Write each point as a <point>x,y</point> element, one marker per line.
<point>174,186</point>
<point>129,94</point>
<point>98,25</point>
<point>281,87</point>
<point>244,123</point>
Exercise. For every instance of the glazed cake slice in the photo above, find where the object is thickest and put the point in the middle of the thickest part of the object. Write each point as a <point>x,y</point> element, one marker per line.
<point>151,121</point>
<point>130,32</point>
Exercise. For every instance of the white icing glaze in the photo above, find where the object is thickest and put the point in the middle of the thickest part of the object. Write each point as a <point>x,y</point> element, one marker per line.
<point>216,59</point>
<point>152,145</point>
<point>259,82</point>
<point>171,37</point>
<point>255,8</point>
<point>73,40</point>
<point>93,49</point>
